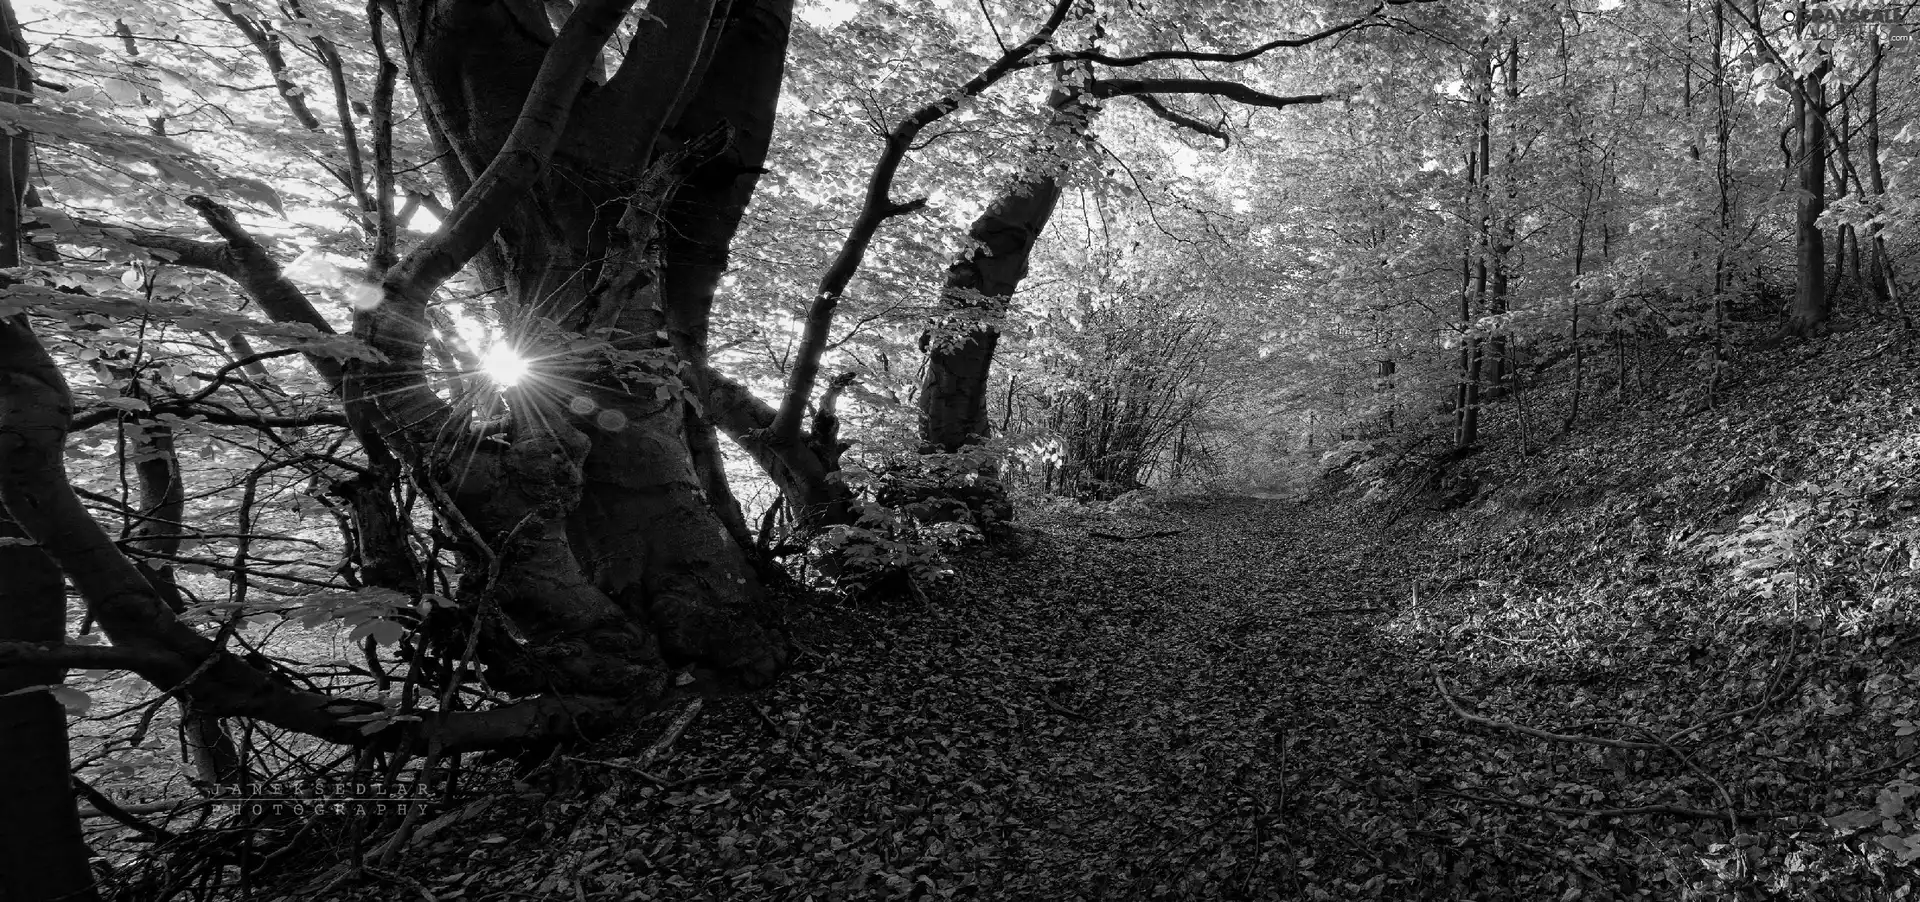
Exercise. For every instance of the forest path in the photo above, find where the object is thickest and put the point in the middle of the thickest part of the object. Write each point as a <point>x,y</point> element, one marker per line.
<point>1242,704</point>
<point>1212,713</point>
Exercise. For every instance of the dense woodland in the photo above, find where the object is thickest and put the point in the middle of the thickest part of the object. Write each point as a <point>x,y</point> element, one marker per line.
<point>1401,449</point>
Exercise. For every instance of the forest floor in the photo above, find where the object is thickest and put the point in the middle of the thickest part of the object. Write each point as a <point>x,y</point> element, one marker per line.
<point>1659,663</point>
<point>1212,713</point>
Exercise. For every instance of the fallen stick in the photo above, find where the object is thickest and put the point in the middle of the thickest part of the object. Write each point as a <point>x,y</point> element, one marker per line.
<point>1063,710</point>
<point>1702,814</point>
<point>1120,537</point>
<point>671,735</point>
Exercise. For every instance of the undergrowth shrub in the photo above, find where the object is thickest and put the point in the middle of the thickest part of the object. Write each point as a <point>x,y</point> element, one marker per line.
<point>913,510</point>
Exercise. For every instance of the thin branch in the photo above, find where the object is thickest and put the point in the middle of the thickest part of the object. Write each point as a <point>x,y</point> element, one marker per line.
<point>106,806</point>
<point>1236,56</point>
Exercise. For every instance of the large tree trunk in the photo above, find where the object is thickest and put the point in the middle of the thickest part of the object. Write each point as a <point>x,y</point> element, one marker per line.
<point>979,287</point>
<point>42,853</point>
<point>627,551</point>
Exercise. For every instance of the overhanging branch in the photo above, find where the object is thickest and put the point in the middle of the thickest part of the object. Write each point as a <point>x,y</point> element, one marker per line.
<point>1105,88</point>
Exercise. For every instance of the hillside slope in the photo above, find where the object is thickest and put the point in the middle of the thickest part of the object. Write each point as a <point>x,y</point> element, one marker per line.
<point>1732,592</point>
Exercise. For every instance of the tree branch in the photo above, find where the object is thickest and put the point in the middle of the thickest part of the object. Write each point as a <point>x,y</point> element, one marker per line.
<point>398,327</point>
<point>1127,87</point>
<point>876,209</point>
<point>661,61</point>
<point>1182,120</point>
<point>1235,56</point>
<point>214,414</point>
<point>81,657</point>
<point>149,639</point>
<point>1702,814</point>
<point>249,263</point>
<point>268,44</point>
<point>521,161</point>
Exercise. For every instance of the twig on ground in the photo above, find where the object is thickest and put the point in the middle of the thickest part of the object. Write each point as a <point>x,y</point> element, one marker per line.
<point>1471,717</point>
<point>1122,537</point>
<point>1766,698</point>
<point>1702,814</point>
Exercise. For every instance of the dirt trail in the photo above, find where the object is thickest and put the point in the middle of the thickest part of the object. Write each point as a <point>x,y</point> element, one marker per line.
<point>1212,714</point>
<point>1234,679</point>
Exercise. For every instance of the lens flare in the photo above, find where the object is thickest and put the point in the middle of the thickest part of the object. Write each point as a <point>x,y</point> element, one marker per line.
<point>503,365</point>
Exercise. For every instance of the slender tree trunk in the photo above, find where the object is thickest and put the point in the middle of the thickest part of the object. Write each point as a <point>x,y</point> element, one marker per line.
<point>1501,367</point>
<point>1811,307</point>
<point>1723,199</point>
<point>1467,412</point>
<point>162,512</point>
<point>1886,292</point>
<point>1579,348</point>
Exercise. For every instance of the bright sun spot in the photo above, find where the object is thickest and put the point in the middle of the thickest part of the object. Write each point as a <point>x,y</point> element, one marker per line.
<point>503,365</point>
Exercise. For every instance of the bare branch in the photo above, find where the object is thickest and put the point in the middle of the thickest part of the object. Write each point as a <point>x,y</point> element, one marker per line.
<point>215,414</point>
